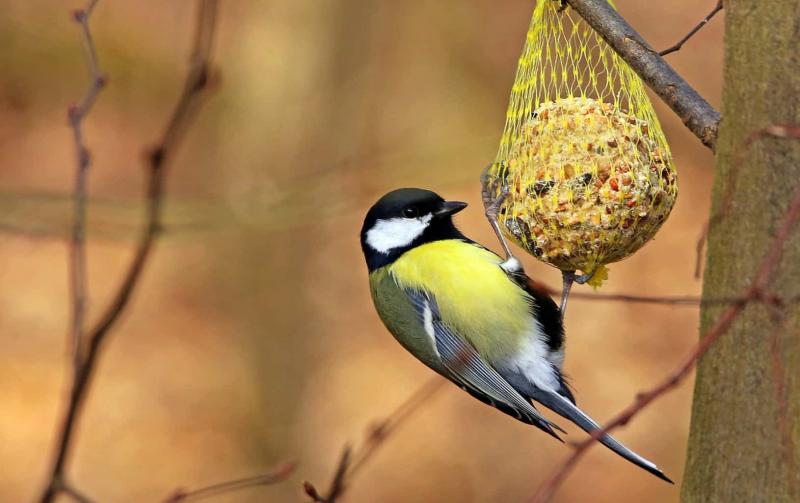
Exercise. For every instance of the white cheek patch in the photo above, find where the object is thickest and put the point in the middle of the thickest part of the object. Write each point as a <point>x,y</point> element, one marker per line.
<point>396,232</point>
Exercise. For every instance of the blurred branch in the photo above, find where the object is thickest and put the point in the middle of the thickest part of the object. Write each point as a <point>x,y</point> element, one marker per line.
<point>781,131</point>
<point>703,22</point>
<point>665,300</point>
<point>695,112</point>
<point>86,360</point>
<point>279,474</point>
<point>758,290</point>
<point>75,114</point>
<point>352,461</point>
<point>686,300</point>
<point>75,494</point>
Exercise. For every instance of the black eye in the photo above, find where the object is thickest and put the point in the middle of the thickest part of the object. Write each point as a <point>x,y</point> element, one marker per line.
<point>410,212</point>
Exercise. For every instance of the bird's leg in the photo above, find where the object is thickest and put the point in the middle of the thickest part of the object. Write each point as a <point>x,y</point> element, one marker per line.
<point>491,205</point>
<point>569,277</point>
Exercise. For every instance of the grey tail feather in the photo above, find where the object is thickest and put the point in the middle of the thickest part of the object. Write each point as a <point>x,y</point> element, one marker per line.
<point>565,408</point>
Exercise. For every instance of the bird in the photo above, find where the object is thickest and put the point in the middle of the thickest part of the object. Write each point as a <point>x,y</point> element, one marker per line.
<point>470,315</point>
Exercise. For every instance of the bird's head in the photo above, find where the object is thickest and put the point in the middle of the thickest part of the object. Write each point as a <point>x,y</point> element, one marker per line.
<point>403,219</point>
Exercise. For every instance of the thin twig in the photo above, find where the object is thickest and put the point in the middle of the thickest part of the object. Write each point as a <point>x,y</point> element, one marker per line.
<point>678,300</point>
<point>757,290</point>
<point>279,474</point>
<point>703,22</point>
<point>75,494</point>
<point>77,270</point>
<point>695,112</point>
<point>781,131</point>
<point>351,461</point>
<point>664,300</point>
<point>195,83</point>
<point>76,114</point>
<point>338,484</point>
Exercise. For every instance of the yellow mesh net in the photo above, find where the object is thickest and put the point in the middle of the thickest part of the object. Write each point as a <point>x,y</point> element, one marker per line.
<point>589,171</point>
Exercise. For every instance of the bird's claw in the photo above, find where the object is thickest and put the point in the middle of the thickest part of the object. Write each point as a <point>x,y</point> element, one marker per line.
<point>584,278</point>
<point>569,278</point>
<point>492,202</point>
<point>491,206</point>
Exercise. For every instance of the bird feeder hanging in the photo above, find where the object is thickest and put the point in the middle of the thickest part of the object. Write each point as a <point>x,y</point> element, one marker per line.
<point>589,173</point>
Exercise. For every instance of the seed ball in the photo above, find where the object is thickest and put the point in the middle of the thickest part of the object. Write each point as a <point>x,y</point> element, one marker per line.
<point>581,167</point>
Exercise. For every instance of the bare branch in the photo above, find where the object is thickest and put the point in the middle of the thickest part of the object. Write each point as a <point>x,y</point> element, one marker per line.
<point>76,114</point>
<point>75,494</point>
<point>664,300</point>
<point>782,131</point>
<point>279,474</point>
<point>695,112</point>
<point>756,291</point>
<point>85,364</point>
<point>337,487</point>
<point>703,22</point>
<point>352,461</point>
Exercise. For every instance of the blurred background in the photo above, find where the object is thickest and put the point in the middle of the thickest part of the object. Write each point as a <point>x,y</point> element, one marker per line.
<point>252,338</point>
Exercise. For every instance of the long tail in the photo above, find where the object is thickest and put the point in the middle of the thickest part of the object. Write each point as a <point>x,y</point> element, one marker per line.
<point>565,408</point>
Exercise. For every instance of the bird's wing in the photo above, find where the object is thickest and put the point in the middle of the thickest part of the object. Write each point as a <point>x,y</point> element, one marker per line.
<point>469,370</point>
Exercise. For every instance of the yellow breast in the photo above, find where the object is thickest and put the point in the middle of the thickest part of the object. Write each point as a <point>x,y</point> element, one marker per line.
<point>474,295</point>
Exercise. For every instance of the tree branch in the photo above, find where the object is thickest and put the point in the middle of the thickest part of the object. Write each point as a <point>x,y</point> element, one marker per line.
<point>781,131</point>
<point>352,461</point>
<point>279,474</point>
<point>76,114</point>
<point>85,362</point>
<point>663,300</point>
<point>703,22</point>
<point>695,112</point>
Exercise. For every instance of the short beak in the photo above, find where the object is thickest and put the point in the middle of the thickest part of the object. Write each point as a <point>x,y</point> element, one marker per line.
<point>448,208</point>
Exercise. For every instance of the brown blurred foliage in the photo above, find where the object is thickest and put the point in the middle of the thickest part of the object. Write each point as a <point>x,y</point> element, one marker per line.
<point>252,338</point>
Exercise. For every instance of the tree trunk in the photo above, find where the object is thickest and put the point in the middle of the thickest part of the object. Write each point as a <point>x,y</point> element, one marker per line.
<point>745,435</point>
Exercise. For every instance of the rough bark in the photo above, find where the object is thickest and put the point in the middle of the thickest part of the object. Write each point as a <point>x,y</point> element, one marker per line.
<point>745,435</point>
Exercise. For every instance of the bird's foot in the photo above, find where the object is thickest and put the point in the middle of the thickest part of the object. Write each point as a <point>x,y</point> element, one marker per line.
<point>492,203</point>
<point>491,206</point>
<point>584,278</point>
<point>563,6</point>
<point>569,277</point>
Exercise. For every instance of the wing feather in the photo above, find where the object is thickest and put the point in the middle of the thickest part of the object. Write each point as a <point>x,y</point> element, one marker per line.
<point>469,370</point>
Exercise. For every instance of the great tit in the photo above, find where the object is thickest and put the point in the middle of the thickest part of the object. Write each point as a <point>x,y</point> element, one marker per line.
<point>468,315</point>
